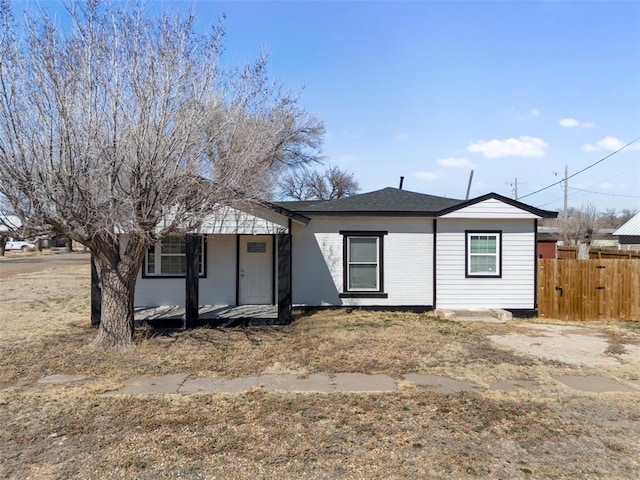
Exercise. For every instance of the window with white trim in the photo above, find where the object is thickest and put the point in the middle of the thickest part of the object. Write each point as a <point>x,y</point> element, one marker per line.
<point>484,254</point>
<point>363,264</point>
<point>168,258</point>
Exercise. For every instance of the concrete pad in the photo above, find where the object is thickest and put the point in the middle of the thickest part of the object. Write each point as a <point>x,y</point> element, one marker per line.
<point>290,383</point>
<point>57,379</point>
<point>440,384</point>
<point>209,385</point>
<point>485,315</point>
<point>573,345</point>
<point>514,385</point>
<point>163,384</point>
<point>591,383</point>
<point>359,382</point>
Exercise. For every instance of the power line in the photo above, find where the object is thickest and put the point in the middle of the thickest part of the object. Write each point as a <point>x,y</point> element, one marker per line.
<point>602,193</point>
<point>580,171</point>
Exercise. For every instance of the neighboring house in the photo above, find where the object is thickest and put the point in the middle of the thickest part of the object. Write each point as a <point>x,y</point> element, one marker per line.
<point>629,234</point>
<point>389,248</point>
<point>547,242</point>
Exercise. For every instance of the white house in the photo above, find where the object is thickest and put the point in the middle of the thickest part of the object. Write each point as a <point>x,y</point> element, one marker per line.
<point>389,248</point>
<point>629,233</point>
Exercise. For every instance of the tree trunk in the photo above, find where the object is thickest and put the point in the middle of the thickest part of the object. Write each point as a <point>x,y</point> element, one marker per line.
<point>117,282</point>
<point>3,243</point>
<point>69,245</point>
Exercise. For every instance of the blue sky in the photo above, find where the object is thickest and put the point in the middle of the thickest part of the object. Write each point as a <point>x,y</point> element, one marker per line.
<point>430,90</point>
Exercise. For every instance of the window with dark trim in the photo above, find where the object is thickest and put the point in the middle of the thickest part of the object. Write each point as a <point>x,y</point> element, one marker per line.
<point>363,261</point>
<point>168,258</point>
<point>483,254</point>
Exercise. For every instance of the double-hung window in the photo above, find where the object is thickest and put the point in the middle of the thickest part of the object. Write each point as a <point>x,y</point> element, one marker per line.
<point>168,258</point>
<point>484,254</point>
<point>363,264</point>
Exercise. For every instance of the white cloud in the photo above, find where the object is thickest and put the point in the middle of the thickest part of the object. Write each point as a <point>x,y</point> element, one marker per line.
<point>590,148</point>
<point>510,147</point>
<point>573,123</point>
<point>535,112</point>
<point>455,162</point>
<point>402,136</point>
<point>610,144</point>
<point>424,175</point>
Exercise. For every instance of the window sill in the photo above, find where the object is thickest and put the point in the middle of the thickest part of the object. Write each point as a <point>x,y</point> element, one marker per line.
<point>363,295</point>
<point>483,275</point>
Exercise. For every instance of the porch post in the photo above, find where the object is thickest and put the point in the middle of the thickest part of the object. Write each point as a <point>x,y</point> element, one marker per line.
<point>96,294</point>
<point>191,302</point>
<point>284,278</point>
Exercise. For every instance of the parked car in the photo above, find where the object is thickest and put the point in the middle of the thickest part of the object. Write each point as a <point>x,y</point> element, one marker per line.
<point>13,244</point>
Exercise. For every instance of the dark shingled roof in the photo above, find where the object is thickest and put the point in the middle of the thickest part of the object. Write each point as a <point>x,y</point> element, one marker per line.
<point>396,202</point>
<point>382,202</point>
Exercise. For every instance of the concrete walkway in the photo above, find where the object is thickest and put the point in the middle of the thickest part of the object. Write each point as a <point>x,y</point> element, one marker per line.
<point>342,382</point>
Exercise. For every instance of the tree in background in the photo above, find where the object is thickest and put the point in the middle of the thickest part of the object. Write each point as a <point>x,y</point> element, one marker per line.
<point>579,225</point>
<point>126,122</point>
<point>610,218</point>
<point>330,184</point>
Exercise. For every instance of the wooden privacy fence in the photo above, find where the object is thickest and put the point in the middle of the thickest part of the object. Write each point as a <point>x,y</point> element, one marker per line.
<point>589,289</point>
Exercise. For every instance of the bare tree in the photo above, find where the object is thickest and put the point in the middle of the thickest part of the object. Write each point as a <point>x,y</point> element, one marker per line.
<point>124,127</point>
<point>579,225</point>
<point>305,184</point>
<point>610,218</point>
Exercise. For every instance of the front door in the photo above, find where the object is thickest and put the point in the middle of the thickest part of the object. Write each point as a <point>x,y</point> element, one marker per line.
<point>255,270</point>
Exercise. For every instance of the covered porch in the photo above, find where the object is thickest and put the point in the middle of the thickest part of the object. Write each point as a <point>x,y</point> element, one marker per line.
<point>235,270</point>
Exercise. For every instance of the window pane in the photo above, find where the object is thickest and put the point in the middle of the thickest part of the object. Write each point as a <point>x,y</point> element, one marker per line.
<point>483,244</point>
<point>151,260</point>
<point>483,264</point>
<point>173,244</point>
<point>363,277</point>
<point>173,265</point>
<point>256,247</point>
<point>363,249</point>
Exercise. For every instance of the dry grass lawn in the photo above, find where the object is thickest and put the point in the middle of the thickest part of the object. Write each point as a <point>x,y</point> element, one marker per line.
<point>74,431</point>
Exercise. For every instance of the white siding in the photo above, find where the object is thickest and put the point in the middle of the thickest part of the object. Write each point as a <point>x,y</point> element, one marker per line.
<point>490,208</point>
<point>219,288</point>
<point>408,261</point>
<point>514,290</point>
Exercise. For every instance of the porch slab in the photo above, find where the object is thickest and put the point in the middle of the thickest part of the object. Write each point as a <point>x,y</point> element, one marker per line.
<point>223,315</point>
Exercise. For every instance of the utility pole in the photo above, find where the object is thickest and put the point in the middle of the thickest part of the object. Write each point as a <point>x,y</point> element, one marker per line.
<point>514,188</point>
<point>469,185</point>
<point>566,191</point>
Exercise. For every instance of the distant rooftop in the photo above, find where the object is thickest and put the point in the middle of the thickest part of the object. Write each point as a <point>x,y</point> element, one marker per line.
<point>632,227</point>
